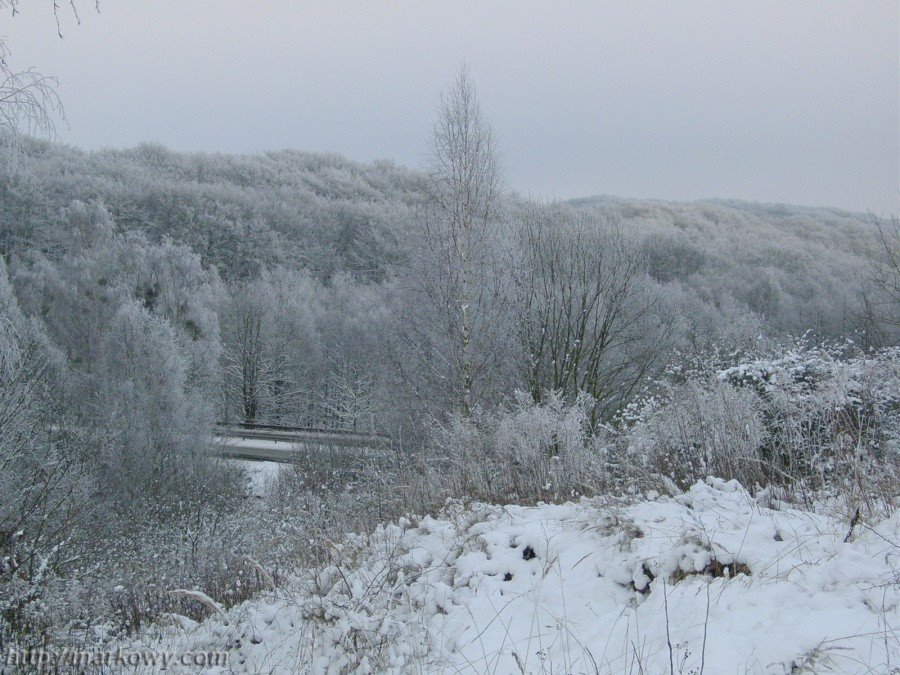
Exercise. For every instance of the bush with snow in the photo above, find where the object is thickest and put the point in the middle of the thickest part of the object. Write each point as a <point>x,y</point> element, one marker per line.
<point>810,418</point>
<point>532,451</point>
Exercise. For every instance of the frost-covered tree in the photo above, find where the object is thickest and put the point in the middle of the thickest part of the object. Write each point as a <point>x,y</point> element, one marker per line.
<point>585,316</point>
<point>355,323</point>
<point>883,303</point>
<point>28,103</point>
<point>351,400</point>
<point>461,205</point>
<point>156,423</point>
<point>271,348</point>
<point>43,489</point>
<point>28,99</point>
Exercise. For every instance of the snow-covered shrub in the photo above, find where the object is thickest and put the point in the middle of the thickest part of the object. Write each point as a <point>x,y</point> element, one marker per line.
<point>344,602</point>
<point>703,428</point>
<point>807,417</point>
<point>118,577</point>
<point>532,451</point>
<point>832,416</point>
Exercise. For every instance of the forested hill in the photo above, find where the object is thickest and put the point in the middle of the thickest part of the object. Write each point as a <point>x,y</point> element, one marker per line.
<point>795,267</point>
<point>834,228</point>
<point>241,213</point>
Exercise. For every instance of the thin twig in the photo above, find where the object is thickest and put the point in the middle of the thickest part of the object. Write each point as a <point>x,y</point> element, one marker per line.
<point>668,637</point>
<point>705,626</point>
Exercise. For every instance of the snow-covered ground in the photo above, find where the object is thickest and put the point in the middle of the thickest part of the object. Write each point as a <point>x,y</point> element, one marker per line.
<point>710,581</point>
<point>259,474</point>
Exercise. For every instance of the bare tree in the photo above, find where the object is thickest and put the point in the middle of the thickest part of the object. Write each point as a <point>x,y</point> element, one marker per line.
<point>464,188</point>
<point>28,102</point>
<point>256,361</point>
<point>886,275</point>
<point>28,99</point>
<point>586,320</point>
<point>879,313</point>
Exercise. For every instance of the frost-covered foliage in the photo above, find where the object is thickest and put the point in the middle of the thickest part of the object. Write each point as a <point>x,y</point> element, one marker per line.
<point>109,348</point>
<point>701,428</point>
<point>810,417</point>
<point>327,253</point>
<point>724,265</point>
<point>43,486</point>
<point>807,418</point>
<point>241,213</point>
<point>527,452</point>
<point>793,268</point>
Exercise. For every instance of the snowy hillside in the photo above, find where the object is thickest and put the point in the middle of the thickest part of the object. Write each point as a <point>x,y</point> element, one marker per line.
<point>712,581</point>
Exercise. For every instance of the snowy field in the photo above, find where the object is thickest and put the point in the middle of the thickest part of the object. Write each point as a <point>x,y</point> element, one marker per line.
<point>710,581</point>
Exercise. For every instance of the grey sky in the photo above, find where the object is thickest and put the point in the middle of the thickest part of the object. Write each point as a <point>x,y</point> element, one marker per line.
<point>773,101</point>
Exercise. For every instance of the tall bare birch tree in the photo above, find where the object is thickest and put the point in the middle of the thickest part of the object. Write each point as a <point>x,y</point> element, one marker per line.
<point>464,187</point>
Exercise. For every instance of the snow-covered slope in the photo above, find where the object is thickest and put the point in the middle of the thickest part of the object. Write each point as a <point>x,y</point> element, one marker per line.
<point>709,581</point>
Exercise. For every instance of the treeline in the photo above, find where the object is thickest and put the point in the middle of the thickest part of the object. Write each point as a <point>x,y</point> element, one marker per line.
<point>309,285</point>
<point>793,268</point>
<point>241,214</point>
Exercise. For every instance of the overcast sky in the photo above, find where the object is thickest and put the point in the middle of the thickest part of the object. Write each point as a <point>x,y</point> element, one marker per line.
<point>774,101</point>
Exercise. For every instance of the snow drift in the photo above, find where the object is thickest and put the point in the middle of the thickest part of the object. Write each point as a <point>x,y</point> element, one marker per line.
<point>712,580</point>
